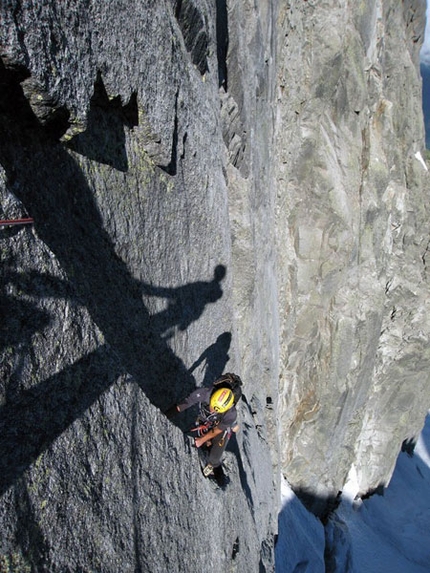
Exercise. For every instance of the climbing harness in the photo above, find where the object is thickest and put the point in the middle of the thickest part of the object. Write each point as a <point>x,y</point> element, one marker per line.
<point>206,421</point>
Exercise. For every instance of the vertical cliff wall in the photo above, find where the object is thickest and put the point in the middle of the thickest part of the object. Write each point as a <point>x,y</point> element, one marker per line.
<point>216,186</point>
<point>123,128</point>
<point>352,216</point>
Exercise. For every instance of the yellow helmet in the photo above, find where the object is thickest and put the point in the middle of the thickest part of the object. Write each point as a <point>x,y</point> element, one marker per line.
<point>221,400</point>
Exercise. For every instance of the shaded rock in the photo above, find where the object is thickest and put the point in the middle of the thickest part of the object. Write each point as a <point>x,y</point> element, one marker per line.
<point>119,300</point>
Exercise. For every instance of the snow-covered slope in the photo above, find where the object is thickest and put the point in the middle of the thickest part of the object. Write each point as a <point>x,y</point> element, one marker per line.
<point>386,533</point>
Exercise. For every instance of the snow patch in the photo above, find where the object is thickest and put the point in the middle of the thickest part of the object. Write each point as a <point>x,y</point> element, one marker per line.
<point>287,493</point>
<point>351,489</point>
<point>421,160</point>
<point>301,540</point>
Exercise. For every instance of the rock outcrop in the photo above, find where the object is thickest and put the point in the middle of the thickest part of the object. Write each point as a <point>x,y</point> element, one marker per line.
<point>215,187</point>
<point>352,221</point>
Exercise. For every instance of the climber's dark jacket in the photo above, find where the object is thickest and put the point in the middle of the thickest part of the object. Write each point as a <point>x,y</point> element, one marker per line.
<point>225,421</point>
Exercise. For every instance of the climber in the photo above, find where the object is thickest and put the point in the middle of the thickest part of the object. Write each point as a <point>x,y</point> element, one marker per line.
<point>217,417</point>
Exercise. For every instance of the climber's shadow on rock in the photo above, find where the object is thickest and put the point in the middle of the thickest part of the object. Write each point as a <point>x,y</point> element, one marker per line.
<point>53,189</point>
<point>185,303</point>
<point>214,359</point>
<point>19,321</point>
<point>104,137</point>
<point>7,233</point>
<point>20,318</point>
<point>32,420</point>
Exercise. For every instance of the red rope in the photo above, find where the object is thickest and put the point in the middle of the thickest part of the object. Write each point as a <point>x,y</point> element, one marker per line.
<point>26,221</point>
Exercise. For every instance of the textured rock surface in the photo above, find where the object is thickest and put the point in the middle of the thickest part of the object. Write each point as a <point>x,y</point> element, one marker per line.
<point>352,256</point>
<point>121,298</point>
<point>215,186</point>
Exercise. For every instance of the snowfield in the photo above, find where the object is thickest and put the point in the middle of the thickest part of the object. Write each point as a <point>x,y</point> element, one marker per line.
<point>387,533</point>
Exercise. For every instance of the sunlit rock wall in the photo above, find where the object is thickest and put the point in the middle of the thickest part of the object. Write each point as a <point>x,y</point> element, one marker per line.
<point>353,233</point>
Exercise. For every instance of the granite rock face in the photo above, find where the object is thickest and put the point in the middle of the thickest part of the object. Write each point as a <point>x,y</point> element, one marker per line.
<point>352,221</point>
<point>121,298</point>
<point>216,186</point>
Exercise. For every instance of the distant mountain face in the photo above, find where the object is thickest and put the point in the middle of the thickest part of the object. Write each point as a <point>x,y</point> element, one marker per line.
<point>425,75</point>
<point>353,263</point>
<point>215,187</point>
